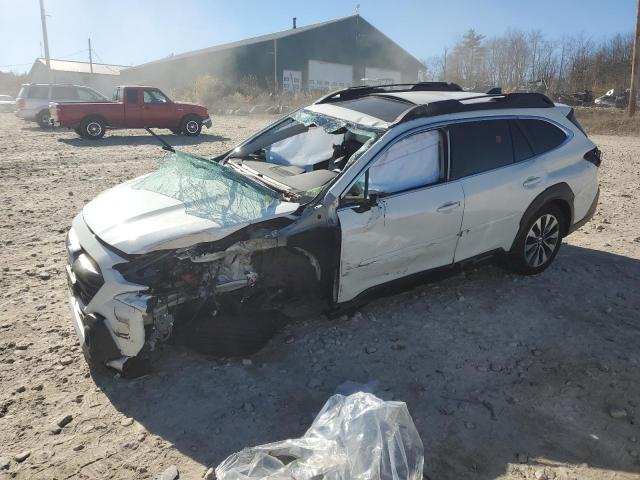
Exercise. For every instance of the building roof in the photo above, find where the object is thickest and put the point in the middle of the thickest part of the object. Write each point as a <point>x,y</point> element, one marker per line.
<point>82,67</point>
<point>260,39</point>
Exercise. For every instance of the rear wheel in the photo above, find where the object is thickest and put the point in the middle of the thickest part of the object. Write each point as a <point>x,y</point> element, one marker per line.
<point>538,241</point>
<point>92,128</point>
<point>191,126</point>
<point>44,119</point>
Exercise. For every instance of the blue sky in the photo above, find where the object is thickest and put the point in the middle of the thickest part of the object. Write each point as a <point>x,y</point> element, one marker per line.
<point>131,32</point>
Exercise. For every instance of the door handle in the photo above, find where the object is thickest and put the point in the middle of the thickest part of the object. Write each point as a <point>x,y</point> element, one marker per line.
<point>448,207</point>
<point>531,182</point>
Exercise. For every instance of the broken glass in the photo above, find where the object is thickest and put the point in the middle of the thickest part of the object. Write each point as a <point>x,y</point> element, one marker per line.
<point>210,190</point>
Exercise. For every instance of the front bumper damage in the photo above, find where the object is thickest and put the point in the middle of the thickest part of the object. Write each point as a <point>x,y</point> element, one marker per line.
<point>115,318</point>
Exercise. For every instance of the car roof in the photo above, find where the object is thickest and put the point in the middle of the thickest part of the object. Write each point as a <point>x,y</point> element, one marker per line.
<point>422,98</point>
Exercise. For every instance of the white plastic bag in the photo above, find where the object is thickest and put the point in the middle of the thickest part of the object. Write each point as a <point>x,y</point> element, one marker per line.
<point>357,437</point>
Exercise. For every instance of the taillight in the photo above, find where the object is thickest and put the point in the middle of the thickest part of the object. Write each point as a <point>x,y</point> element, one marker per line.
<point>594,156</point>
<point>21,103</point>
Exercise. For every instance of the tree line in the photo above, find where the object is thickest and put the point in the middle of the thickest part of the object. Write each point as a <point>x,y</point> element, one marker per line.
<point>529,60</point>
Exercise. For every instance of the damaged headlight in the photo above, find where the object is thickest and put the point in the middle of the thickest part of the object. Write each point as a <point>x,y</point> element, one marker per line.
<point>131,306</point>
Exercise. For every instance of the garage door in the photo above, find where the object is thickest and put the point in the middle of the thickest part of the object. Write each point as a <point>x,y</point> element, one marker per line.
<point>382,76</point>
<point>329,76</point>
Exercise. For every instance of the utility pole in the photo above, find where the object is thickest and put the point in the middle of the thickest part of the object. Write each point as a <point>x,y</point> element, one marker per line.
<point>633,94</point>
<point>275,64</point>
<point>90,59</point>
<point>45,39</point>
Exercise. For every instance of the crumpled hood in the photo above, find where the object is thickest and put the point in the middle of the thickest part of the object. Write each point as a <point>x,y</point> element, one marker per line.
<point>188,200</point>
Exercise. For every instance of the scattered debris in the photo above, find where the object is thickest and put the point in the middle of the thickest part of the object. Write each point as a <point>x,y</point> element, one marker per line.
<point>170,473</point>
<point>65,420</point>
<point>333,446</point>
<point>5,463</point>
<point>22,456</point>
<point>617,412</point>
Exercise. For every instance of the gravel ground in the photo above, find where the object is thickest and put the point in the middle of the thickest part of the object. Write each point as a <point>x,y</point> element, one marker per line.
<point>506,377</point>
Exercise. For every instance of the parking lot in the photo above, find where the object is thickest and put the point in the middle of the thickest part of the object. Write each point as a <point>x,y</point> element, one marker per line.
<point>505,376</point>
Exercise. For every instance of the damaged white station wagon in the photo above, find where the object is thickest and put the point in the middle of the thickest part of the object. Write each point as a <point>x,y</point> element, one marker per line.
<point>366,186</point>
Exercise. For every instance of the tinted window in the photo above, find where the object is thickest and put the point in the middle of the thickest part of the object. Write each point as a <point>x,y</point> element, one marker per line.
<point>386,109</point>
<point>479,146</point>
<point>154,96</point>
<point>132,95</point>
<point>542,135</point>
<point>39,91</point>
<point>64,93</point>
<point>521,148</point>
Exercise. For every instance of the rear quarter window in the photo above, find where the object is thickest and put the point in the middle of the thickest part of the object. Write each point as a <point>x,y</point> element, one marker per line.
<point>479,146</point>
<point>543,136</point>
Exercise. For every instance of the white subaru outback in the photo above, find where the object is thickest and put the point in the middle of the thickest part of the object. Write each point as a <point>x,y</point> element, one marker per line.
<point>367,186</point>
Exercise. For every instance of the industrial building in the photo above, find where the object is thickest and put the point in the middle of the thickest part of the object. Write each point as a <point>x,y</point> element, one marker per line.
<point>99,76</point>
<point>324,56</point>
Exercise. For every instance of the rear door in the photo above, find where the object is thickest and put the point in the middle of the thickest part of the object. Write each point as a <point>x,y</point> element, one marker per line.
<point>156,109</point>
<point>500,175</point>
<point>400,217</point>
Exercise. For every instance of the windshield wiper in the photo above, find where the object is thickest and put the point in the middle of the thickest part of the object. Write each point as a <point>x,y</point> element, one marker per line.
<point>165,144</point>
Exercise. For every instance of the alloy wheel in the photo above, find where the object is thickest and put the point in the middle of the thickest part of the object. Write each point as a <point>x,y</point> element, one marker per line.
<point>542,240</point>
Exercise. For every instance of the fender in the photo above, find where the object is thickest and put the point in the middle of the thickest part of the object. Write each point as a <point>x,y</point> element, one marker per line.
<point>561,193</point>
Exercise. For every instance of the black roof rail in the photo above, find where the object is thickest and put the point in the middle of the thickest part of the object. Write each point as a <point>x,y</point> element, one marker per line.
<point>364,90</point>
<point>493,102</point>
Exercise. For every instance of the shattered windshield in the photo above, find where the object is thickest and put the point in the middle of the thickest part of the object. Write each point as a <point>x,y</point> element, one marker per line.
<point>304,152</point>
<point>210,190</point>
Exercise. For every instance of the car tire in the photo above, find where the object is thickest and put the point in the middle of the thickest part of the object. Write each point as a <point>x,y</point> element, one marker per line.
<point>538,241</point>
<point>92,128</point>
<point>43,118</point>
<point>191,126</point>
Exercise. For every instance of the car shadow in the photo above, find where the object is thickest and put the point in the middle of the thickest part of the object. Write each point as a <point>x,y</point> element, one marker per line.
<point>495,369</point>
<point>118,140</point>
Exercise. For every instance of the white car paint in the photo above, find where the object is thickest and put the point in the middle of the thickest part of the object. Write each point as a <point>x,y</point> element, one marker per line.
<point>138,221</point>
<point>404,234</point>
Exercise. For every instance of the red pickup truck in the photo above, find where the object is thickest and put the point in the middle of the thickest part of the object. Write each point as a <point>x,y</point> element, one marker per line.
<point>132,107</point>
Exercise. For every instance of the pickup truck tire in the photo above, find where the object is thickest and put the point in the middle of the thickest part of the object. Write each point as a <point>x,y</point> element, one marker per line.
<point>93,128</point>
<point>43,118</point>
<point>191,126</point>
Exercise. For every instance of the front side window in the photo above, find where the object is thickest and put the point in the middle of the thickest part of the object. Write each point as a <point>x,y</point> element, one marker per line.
<point>154,96</point>
<point>414,161</point>
<point>477,147</point>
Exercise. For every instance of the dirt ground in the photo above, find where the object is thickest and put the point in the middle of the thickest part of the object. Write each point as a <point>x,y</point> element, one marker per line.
<point>506,377</point>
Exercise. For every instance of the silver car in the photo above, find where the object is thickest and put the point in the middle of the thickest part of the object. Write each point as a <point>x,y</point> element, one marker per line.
<point>33,100</point>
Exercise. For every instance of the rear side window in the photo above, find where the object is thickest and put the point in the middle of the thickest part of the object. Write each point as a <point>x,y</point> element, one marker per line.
<point>543,136</point>
<point>64,93</point>
<point>132,95</point>
<point>479,146</point>
<point>39,91</point>
<point>521,148</point>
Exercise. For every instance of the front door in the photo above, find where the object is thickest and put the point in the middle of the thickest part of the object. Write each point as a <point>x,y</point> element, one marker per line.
<point>400,217</point>
<point>157,110</point>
